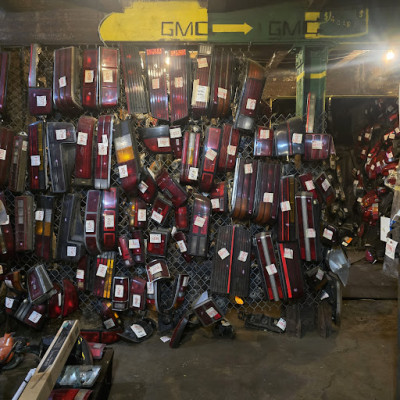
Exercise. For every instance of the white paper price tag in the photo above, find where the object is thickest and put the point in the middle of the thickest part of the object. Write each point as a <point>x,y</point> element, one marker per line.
<point>202,62</point>
<point>138,330</point>
<point>222,93</point>
<point>372,167</point>
<point>35,161</point>
<point>109,221</point>
<point>248,168</point>
<point>119,291</point>
<point>320,274</point>
<point>288,253</point>
<point>155,269</point>
<point>178,82</point>
<point>316,145</point>
<point>264,133</point>
<point>175,133</point>
<point>150,288</point>
<point>89,226</point>
<point>232,150</point>
<point>385,228</point>
<point>165,339</point>
<point>102,149</point>
<point>268,197</point>
<point>82,138</point>
<point>3,154</point>
<point>223,253</point>
<point>71,251</point>
<point>155,237</point>
<point>123,171</point>
<point>310,233</point>
<point>62,82</point>
<point>61,134</point>
<point>89,76</point>
<point>364,152</point>
<point>271,269</point>
<point>281,324</point>
<point>325,185</point>
<point>185,281</point>
<point>142,187</point>
<point>108,76</point>
<point>134,244</point>
<point>104,139</point>
<point>141,215</point>
<point>136,300</point>
<point>109,323</point>
<point>215,203</point>
<point>328,234</point>
<point>1,269</point>
<point>211,312</point>
<point>211,154</point>
<point>182,246</point>
<point>193,173</point>
<point>101,270</point>
<point>285,206</point>
<point>39,215</point>
<point>392,136</point>
<point>251,104</point>
<point>243,256</point>
<point>35,317</point>
<point>80,274</point>
<point>41,101</point>
<point>297,138</point>
<point>389,155</point>
<point>310,185</point>
<point>163,142</point>
<point>367,135</point>
<point>202,94</point>
<point>199,221</point>
<point>390,248</point>
<point>156,217</point>
<point>9,302</point>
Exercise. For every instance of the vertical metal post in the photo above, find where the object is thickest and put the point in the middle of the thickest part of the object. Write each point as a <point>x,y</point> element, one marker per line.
<point>311,66</point>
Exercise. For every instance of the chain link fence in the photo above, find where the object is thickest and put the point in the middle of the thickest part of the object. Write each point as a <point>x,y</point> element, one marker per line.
<point>17,118</point>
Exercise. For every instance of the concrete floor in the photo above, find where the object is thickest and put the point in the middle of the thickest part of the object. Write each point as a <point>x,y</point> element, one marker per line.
<point>358,362</point>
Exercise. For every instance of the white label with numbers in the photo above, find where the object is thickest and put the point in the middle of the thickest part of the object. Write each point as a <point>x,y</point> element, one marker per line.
<point>102,149</point>
<point>109,221</point>
<point>199,221</point>
<point>264,133</point>
<point>392,135</point>
<point>390,248</point>
<point>248,168</point>
<point>202,62</point>
<point>1,269</point>
<point>82,138</point>
<point>175,133</point>
<point>155,238</point>
<point>71,251</point>
<point>193,173</point>
<point>138,330</point>
<point>142,187</point>
<point>316,145</point>
<point>310,185</point>
<point>156,217</point>
<point>215,203</point>
<point>136,300</point>
<point>297,138</point>
<point>178,81</point>
<point>232,150</point>
<point>89,75</point>
<point>3,154</point>
<point>271,269</point>
<point>62,82</point>
<point>150,288</point>
<point>222,93</point>
<point>310,233</point>
<point>134,244</point>
<point>288,253</point>
<point>61,134</point>
<point>155,269</point>
<point>89,226</point>
<point>281,324</point>
<point>163,142</point>
<point>108,76</point>
<point>211,154</point>
<point>202,94</point>
<point>119,291</point>
<point>109,323</point>
<point>251,104</point>
<point>9,302</point>
<point>123,171</point>
<point>243,256</point>
<point>268,197</point>
<point>101,270</point>
<point>35,317</point>
<point>141,214</point>
<point>328,234</point>
<point>80,274</point>
<point>285,206</point>
<point>223,253</point>
<point>320,274</point>
<point>41,101</point>
<point>182,246</point>
<point>325,185</point>
<point>24,145</point>
<point>211,312</point>
<point>39,215</point>
<point>35,161</point>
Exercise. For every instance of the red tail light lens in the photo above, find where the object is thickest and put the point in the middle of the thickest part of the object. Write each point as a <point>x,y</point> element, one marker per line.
<point>147,187</point>
<point>181,218</point>
<point>70,394</point>
<point>127,158</point>
<point>268,266</point>
<point>157,83</point>
<point>209,160</point>
<point>90,78</point>
<point>108,77</point>
<point>40,287</point>
<point>220,98</point>
<point>156,139</point>
<point>137,214</point>
<point>66,80</point>
<point>156,270</point>
<point>120,296</point>
<point>110,318</point>
<point>32,315</point>
<point>24,223</point>
<point>18,163</point>
<point>181,242</point>
<point>109,218</point>
<point>286,215</point>
<point>4,64</point>
<point>61,143</point>
<point>103,153</point>
<point>44,216</point>
<point>179,87</point>
<point>7,247</point>
<point>190,157</point>
<point>83,273</point>
<point>263,142</point>
<point>201,81</point>
<point>125,253</point>
<point>15,281</point>
<point>38,156</point>
<point>229,149</point>
<point>325,188</point>
<point>55,303</point>
<point>158,243</point>
<point>71,299</point>
<point>219,198</point>
<point>307,183</point>
<point>136,244</point>
<point>84,152</point>
<point>207,310</point>
<point>161,209</point>
<point>171,189</point>
<point>198,236</point>
<point>6,143</point>
<point>92,222</point>
<point>104,272</point>
<point>175,133</point>
<point>316,146</point>
<point>137,299</point>
<point>137,98</point>
<point>100,336</point>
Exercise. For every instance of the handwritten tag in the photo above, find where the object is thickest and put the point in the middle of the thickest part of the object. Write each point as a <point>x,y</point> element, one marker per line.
<point>134,244</point>
<point>215,203</point>
<point>157,217</point>
<point>89,76</point>
<point>297,138</point>
<point>82,138</point>
<point>109,221</point>
<point>285,206</point>
<point>310,185</point>
<point>316,145</point>
<point>119,291</point>
<point>328,234</point>
<point>211,154</point>
<point>9,302</point>
<point>41,101</point>
<point>248,168</point>
<point>202,62</point>
<point>243,256</point>
<point>39,215</point>
<point>163,142</point>
<point>155,238</point>
<point>35,161</point>
<point>268,197</point>
<point>62,82</point>
<point>288,253</point>
<point>264,133</point>
<point>251,104</point>
<point>310,233</point>
<point>71,251</point>
<point>193,173</point>
<point>150,288</point>
<point>271,269</point>
<point>136,300</point>
<point>320,274</point>
<point>223,253</point>
<point>325,185</point>
<point>390,248</point>
<point>202,94</point>
<point>232,150</point>
<point>212,312</point>
<point>142,187</point>
<point>89,225</point>
<point>178,82</point>
<point>80,274</point>
<point>182,246</point>
<point>222,93</point>
<point>61,134</point>
<point>281,324</point>
<point>35,317</point>
<point>102,149</point>
<point>175,133</point>
<point>101,270</point>
<point>108,76</point>
<point>199,221</point>
<point>138,330</point>
<point>155,83</point>
<point>123,171</point>
<point>141,215</point>
<point>155,269</point>
<point>109,323</point>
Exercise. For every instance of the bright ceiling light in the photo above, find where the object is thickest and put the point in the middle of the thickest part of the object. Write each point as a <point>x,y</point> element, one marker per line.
<point>390,55</point>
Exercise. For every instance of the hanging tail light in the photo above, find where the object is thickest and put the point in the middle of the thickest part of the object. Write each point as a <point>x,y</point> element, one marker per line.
<point>109,219</point>
<point>90,78</point>
<point>40,287</point>
<point>229,149</point>
<point>108,77</point>
<point>171,189</point>
<point>19,161</point>
<point>6,143</point>
<point>190,157</point>
<point>7,247</point>
<point>263,142</point>
<point>199,226</point>
<point>137,214</point>
<point>157,245</point>
<point>24,223</point>
<point>92,222</point>
<point>103,275</point>
<point>44,216</point>
<point>156,139</point>
<point>287,212</point>
<point>120,298</point>
<point>37,156</point>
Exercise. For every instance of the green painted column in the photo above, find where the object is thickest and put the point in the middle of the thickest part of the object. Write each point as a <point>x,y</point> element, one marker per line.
<point>311,66</point>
